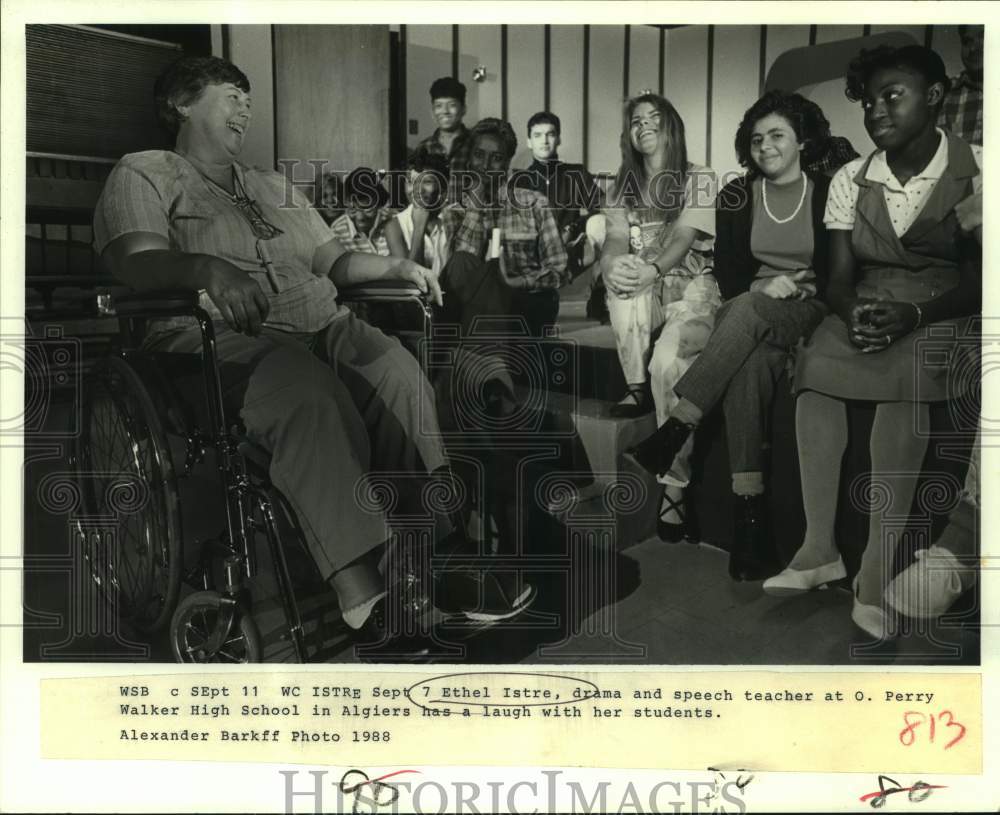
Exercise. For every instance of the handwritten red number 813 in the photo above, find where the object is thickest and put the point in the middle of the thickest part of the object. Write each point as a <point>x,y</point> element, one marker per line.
<point>914,718</point>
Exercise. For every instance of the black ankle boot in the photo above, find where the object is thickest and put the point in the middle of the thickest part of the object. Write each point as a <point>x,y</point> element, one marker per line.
<point>750,558</point>
<point>656,453</point>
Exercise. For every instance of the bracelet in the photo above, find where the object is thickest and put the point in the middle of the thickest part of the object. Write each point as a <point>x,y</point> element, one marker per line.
<point>659,272</point>
<point>920,316</point>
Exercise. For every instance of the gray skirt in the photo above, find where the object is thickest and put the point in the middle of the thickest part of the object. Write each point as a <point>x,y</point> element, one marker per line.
<point>935,363</point>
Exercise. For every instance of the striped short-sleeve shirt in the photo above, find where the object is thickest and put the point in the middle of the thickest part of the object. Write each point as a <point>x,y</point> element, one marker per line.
<point>161,192</point>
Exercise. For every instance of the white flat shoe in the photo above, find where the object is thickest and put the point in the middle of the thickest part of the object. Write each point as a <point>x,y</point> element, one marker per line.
<point>796,581</point>
<point>871,619</point>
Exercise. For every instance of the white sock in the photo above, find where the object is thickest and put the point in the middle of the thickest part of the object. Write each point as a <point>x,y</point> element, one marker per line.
<point>356,616</point>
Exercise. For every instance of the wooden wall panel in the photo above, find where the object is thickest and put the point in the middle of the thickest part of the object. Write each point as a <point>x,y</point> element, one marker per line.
<point>250,49</point>
<point>428,56</point>
<point>734,89</point>
<point>686,84</point>
<point>735,76</point>
<point>644,62</point>
<point>781,38</point>
<point>480,45</point>
<point>566,90</point>
<point>332,94</point>
<point>607,51</point>
<point>832,33</point>
<point>526,82</point>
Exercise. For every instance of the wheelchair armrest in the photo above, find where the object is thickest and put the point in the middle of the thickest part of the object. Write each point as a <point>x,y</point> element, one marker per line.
<point>42,282</point>
<point>381,290</point>
<point>155,302</point>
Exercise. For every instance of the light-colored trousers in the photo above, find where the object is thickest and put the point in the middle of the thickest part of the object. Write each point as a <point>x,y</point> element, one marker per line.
<point>329,407</point>
<point>683,309</point>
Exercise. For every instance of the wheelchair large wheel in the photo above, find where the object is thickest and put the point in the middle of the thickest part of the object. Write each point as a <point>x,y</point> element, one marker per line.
<point>132,539</point>
<point>193,625</point>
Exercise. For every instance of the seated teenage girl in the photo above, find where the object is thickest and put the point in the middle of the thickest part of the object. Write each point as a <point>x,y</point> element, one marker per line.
<point>770,260</point>
<point>657,266</point>
<point>904,279</point>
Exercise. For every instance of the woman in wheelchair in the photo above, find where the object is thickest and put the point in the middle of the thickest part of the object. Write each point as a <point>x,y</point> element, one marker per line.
<point>327,396</point>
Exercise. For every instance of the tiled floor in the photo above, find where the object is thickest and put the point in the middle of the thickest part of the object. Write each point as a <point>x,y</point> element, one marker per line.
<point>687,611</point>
<point>674,605</point>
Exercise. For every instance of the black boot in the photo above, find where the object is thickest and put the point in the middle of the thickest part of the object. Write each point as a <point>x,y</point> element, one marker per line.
<point>656,453</point>
<point>750,558</point>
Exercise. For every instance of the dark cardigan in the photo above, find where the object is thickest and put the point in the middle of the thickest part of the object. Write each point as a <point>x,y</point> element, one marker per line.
<point>735,265</point>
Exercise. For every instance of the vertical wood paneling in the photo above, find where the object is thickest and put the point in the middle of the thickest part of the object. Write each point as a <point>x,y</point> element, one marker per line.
<point>428,56</point>
<point>481,46</point>
<point>944,40</point>
<point>915,31</point>
<point>781,38</point>
<point>526,81</point>
<point>216,35</point>
<point>832,33</point>
<point>312,96</point>
<point>250,48</point>
<point>734,89</point>
<point>742,56</point>
<point>686,84</point>
<point>567,88</point>
<point>607,50</point>
<point>644,71</point>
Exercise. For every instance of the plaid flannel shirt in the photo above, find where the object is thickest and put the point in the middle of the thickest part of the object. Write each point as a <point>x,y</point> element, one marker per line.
<point>962,111</point>
<point>838,152</point>
<point>353,241</point>
<point>529,235</point>
<point>458,154</point>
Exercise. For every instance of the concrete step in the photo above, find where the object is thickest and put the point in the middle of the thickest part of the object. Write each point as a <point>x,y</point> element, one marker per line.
<point>591,444</point>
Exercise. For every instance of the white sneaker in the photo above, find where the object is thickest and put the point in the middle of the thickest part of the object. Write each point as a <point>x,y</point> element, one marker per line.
<point>795,581</point>
<point>929,586</point>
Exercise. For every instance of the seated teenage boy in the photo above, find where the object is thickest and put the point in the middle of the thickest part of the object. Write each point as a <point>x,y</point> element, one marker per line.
<point>507,257</point>
<point>425,228</point>
<point>362,226</point>
<point>569,188</point>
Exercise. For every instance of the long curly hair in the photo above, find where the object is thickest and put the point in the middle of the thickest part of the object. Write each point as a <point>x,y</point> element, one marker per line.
<point>806,118</point>
<point>665,192</point>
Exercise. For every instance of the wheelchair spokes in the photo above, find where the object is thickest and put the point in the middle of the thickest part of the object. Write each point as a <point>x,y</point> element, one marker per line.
<point>210,627</point>
<point>127,483</point>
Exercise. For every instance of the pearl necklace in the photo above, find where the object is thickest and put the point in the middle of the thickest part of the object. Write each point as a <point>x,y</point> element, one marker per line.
<point>802,198</point>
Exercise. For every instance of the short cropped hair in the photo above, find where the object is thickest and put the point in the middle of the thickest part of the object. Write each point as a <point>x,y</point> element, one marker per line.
<point>447,87</point>
<point>543,117</point>
<point>499,128</point>
<point>914,58</point>
<point>364,187</point>
<point>806,118</point>
<point>423,160</point>
<point>184,81</point>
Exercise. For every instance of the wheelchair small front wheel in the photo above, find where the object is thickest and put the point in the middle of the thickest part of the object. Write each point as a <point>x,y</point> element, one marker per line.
<point>194,622</point>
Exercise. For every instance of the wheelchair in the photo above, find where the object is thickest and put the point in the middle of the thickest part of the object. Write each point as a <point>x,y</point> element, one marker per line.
<point>138,441</point>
